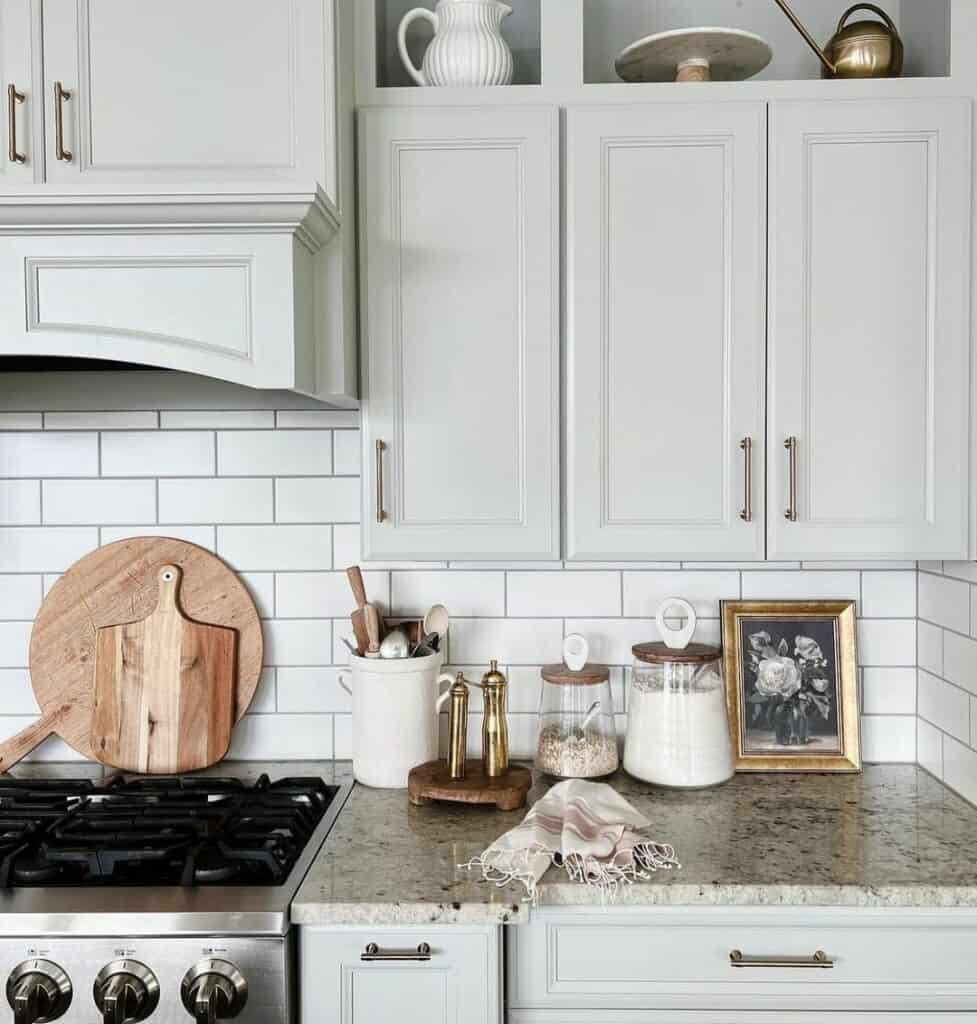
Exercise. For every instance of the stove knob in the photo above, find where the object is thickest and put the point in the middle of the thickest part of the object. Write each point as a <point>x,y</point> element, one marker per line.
<point>214,990</point>
<point>38,990</point>
<point>125,991</point>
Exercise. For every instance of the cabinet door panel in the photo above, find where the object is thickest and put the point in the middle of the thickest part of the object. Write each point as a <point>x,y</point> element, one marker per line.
<point>16,71</point>
<point>665,261</point>
<point>461,365</point>
<point>187,91</point>
<point>869,313</point>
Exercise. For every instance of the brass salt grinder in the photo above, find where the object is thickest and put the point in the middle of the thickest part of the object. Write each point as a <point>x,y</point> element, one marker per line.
<point>495,730</point>
<point>457,725</point>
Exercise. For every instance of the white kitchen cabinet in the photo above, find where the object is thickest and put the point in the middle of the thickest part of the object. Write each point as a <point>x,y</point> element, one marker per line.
<point>666,249</point>
<point>652,965</point>
<point>17,83</point>
<point>222,91</point>
<point>460,982</point>
<point>460,289</point>
<point>869,345</point>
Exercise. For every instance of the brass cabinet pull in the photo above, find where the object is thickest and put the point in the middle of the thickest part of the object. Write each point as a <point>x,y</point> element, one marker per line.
<point>373,953</point>
<point>13,98</point>
<point>819,960</point>
<point>60,95</point>
<point>791,445</point>
<point>381,515</point>
<point>747,447</point>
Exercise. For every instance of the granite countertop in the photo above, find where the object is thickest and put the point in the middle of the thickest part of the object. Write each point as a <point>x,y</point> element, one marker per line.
<point>893,836</point>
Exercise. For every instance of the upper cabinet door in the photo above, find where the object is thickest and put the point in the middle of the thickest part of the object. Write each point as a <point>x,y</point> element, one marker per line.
<point>460,250</point>
<point>17,158</point>
<point>185,91</point>
<point>869,329</point>
<point>666,243</point>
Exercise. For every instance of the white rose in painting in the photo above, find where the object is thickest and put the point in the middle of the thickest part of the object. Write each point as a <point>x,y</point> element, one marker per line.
<point>807,649</point>
<point>778,677</point>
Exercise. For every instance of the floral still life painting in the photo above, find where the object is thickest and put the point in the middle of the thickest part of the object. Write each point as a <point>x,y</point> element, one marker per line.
<point>792,684</point>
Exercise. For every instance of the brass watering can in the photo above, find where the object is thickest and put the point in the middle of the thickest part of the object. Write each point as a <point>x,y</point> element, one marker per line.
<point>863,49</point>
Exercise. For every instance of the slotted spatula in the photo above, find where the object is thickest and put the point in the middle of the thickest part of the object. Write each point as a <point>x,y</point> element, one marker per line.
<point>164,689</point>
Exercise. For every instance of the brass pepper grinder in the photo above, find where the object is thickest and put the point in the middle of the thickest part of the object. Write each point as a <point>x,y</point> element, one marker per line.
<point>457,725</point>
<point>495,731</point>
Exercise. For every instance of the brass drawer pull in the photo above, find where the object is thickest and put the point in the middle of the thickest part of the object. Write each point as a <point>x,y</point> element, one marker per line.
<point>747,447</point>
<point>60,95</point>
<point>820,960</point>
<point>381,448</point>
<point>13,98</point>
<point>791,445</point>
<point>373,953</point>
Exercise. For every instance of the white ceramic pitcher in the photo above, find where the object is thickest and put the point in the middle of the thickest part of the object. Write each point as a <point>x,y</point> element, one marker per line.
<point>467,49</point>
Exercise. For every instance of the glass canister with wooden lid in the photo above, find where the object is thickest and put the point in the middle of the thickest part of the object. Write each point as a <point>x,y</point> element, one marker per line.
<point>678,725</point>
<point>577,735</point>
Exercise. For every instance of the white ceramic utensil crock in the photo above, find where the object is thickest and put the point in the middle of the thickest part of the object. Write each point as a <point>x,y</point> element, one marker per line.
<point>395,726</point>
<point>467,49</point>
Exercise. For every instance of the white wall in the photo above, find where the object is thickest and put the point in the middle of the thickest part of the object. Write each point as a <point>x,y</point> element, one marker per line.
<point>276,493</point>
<point>948,673</point>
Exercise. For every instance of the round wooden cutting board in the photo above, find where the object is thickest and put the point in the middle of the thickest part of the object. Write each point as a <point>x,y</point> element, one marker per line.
<point>118,584</point>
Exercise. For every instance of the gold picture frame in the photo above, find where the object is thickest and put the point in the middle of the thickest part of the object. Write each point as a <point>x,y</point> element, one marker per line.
<point>792,685</point>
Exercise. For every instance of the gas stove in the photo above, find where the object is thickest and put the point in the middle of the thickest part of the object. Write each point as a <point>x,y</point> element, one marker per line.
<point>155,898</point>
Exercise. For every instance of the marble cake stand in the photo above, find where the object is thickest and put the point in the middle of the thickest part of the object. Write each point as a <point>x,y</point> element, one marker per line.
<point>694,55</point>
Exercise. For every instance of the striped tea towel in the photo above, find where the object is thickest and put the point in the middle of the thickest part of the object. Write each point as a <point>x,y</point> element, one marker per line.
<point>586,827</point>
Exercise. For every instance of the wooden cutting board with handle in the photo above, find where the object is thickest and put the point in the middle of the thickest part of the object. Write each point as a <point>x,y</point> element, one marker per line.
<point>118,583</point>
<point>164,688</point>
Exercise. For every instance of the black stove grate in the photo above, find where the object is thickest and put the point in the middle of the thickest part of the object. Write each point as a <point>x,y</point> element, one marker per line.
<point>156,831</point>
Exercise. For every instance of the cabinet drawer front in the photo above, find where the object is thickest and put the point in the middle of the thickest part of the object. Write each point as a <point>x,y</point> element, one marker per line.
<point>681,958</point>
<point>459,984</point>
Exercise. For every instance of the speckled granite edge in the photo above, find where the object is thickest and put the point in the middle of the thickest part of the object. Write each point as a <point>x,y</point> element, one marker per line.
<point>410,913</point>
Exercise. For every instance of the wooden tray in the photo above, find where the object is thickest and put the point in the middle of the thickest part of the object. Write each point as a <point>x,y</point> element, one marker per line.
<point>430,782</point>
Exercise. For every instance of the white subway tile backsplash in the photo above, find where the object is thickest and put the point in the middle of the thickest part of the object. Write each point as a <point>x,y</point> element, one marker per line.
<point>305,419</point>
<point>887,642</point>
<point>265,697</point>
<point>888,740</point>
<point>800,586</point>
<point>525,683</point>
<point>202,536</point>
<point>961,571</point>
<point>48,454</point>
<point>317,500</point>
<point>576,593</point>
<point>944,706</point>
<point>929,747</point>
<point>20,596</point>
<point>516,641</point>
<point>15,639</point>
<point>644,592</point>
<point>464,594</point>
<point>888,595</point>
<point>297,642</point>
<point>44,549</point>
<point>20,502</point>
<point>611,640</point>
<point>960,660</point>
<point>169,453</point>
<point>282,738</point>
<point>274,453</point>
<point>929,640</point>
<point>346,452</point>
<point>326,594</point>
<point>889,691</point>
<point>96,502</point>
<point>217,419</point>
<point>222,500</point>
<point>21,421</point>
<point>347,552</point>
<point>315,690</point>
<point>960,768</point>
<point>52,749</point>
<point>275,548</point>
<point>101,420</point>
<point>16,692</point>
<point>945,602</point>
